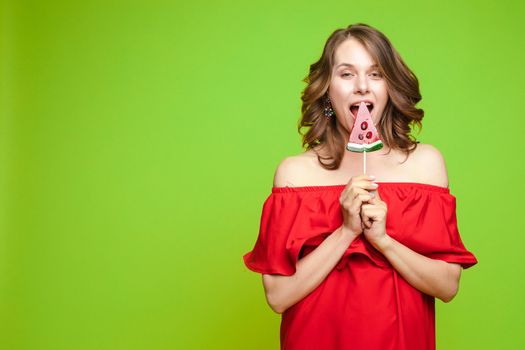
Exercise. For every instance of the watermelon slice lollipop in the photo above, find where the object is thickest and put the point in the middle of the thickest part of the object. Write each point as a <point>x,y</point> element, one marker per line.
<point>364,136</point>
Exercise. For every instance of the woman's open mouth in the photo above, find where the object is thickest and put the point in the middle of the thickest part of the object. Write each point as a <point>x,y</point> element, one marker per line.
<point>355,107</point>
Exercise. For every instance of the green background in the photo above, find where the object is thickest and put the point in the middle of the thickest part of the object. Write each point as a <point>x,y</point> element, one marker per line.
<point>138,141</point>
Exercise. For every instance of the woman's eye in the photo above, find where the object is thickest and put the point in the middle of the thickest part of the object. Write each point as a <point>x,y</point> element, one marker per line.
<point>376,75</point>
<point>346,74</point>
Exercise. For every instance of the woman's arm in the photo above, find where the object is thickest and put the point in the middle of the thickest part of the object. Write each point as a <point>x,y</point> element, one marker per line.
<point>284,291</point>
<point>437,278</point>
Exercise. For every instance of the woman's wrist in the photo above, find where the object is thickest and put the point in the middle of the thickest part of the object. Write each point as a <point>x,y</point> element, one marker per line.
<point>347,233</point>
<point>384,243</point>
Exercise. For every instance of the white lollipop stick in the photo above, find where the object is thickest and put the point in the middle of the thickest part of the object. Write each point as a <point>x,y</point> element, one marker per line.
<point>364,162</point>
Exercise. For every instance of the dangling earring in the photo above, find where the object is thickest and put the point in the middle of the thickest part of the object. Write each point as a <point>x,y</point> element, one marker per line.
<point>328,110</point>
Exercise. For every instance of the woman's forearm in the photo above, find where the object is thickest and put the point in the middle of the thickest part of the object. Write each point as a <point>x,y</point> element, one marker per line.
<point>284,291</point>
<point>437,278</point>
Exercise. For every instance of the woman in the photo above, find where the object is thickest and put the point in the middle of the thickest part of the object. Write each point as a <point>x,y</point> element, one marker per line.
<point>353,261</point>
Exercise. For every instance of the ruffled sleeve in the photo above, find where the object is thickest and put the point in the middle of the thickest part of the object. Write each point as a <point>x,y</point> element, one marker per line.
<point>290,219</point>
<point>423,218</point>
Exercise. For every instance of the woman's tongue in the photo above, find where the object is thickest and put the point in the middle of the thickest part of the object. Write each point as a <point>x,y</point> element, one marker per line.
<point>354,110</point>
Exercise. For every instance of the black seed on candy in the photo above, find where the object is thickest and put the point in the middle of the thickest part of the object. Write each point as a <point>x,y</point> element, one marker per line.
<point>369,135</point>
<point>360,136</point>
<point>364,125</point>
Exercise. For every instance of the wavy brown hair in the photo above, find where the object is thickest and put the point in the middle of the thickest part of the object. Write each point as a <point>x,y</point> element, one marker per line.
<point>400,113</point>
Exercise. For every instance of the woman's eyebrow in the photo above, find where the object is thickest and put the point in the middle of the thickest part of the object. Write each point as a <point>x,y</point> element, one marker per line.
<point>352,66</point>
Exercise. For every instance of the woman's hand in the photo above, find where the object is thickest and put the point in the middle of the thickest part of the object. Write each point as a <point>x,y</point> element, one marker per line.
<point>373,216</point>
<point>352,198</point>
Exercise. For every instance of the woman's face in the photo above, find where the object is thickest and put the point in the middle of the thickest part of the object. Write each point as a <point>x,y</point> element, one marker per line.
<point>356,78</point>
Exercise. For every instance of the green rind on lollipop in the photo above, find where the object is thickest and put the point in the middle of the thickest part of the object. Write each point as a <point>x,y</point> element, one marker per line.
<point>370,147</point>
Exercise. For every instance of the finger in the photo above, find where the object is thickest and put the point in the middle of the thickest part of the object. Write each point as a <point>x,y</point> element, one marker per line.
<point>351,195</point>
<point>345,194</point>
<point>359,188</point>
<point>374,194</point>
<point>366,184</point>
<point>377,198</point>
<point>378,203</point>
<point>354,206</point>
<point>365,219</point>
<point>377,195</point>
<point>367,210</point>
<point>367,176</point>
<point>364,176</point>
<point>360,179</point>
<point>350,189</point>
<point>356,191</point>
<point>364,198</point>
<point>373,212</point>
<point>367,223</point>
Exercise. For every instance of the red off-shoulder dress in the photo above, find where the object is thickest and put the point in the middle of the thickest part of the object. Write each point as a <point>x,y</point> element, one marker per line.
<point>363,304</point>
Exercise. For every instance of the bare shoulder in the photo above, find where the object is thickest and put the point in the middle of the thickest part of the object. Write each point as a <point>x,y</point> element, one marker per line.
<point>296,170</point>
<point>429,165</point>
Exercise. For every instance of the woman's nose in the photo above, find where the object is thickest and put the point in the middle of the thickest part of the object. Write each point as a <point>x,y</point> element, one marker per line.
<point>361,85</point>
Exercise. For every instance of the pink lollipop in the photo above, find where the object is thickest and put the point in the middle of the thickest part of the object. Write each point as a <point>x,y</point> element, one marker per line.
<point>364,137</point>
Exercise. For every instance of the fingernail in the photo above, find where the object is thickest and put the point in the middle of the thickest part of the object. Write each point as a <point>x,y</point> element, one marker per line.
<point>371,177</point>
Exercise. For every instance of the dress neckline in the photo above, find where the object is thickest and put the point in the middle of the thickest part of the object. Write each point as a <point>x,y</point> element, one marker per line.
<point>317,188</point>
